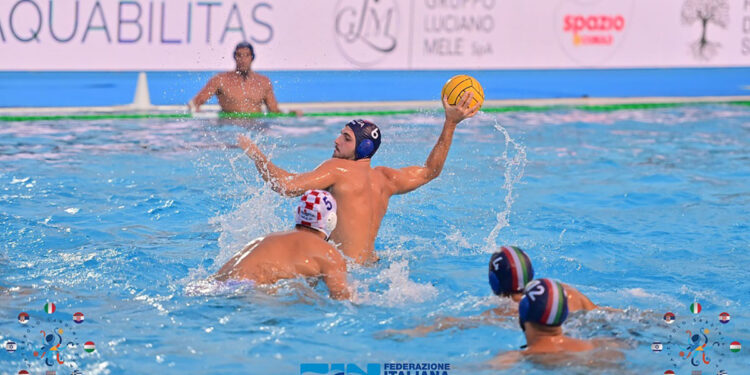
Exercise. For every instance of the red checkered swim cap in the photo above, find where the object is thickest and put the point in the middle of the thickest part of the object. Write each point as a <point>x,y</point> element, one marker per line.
<point>317,210</point>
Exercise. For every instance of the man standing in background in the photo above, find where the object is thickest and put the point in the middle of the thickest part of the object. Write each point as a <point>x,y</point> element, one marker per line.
<point>241,90</point>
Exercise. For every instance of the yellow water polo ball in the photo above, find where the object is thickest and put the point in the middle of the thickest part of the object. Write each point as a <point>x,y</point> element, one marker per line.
<point>461,85</point>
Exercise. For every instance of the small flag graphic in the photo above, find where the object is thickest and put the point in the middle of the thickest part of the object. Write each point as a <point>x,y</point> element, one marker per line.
<point>50,373</point>
<point>23,372</point>
<point>735,347</point>
<point>697,372</point>
<point>78,317</point>
<point>724,317</point>
<point>669,372</point>
<point>695,308</point>
<point>23,318</point>
<point>656,346</point>
<point>89,346</point>
<point>11,346</point>
<point>49,307</point>
<point>669,318</point>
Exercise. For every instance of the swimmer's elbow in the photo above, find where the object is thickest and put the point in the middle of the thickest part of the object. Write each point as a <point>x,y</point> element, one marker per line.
<point>430,172</point>
<point>285,192</point>
<point>432,175</point>
<point>284,188</point>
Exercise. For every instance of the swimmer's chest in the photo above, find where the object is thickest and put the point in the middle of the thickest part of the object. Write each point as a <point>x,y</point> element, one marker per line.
<point>241,89</point>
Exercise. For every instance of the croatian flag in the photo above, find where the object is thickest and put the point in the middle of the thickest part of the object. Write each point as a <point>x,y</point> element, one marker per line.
<point>695,308</point>
<point>49,307</point>
<point>724,317</point>
<point>735,347</point>
<point>78,317</point>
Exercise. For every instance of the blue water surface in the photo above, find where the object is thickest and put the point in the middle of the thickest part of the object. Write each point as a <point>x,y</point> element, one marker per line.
<point>55,89</point>
<point>641,210</point>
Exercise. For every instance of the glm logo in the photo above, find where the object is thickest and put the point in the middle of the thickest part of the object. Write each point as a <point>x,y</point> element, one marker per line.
<point>338,369</point>
<point>366,31</point>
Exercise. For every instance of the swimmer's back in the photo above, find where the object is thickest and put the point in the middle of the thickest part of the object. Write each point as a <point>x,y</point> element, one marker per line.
<point>362,195</point>
<point>282,256</point>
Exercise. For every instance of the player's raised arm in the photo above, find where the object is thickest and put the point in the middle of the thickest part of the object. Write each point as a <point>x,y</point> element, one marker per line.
<point>407,179</point>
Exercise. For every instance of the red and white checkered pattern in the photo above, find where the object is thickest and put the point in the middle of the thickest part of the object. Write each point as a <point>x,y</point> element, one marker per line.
<point>317,210</point>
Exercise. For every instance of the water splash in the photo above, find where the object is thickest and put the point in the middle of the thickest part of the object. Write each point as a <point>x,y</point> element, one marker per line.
<point>514,159</point>
<point>254,217</point>
<point>399,289</point>
<point>256,213</point>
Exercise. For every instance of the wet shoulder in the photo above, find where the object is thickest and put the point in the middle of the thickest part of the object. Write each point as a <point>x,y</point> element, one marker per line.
<point>262,80</point>
<point>225,76</point>
<point>338,165</point>
<point>576,300</point>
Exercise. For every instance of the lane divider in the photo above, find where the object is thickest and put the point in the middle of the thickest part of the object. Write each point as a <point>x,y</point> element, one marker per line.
<point>222,115</point>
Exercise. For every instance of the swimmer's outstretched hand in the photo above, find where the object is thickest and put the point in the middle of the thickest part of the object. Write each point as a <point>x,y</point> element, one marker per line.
<point>461,110</point>
<point>247,145</point>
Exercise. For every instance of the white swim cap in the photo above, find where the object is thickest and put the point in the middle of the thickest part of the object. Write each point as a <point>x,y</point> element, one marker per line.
<point>317,210</point>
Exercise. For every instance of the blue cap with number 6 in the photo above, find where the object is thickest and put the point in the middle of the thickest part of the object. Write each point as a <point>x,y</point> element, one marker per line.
<point>367,137</point>
<point>544,302</point>
<point>317,210</point>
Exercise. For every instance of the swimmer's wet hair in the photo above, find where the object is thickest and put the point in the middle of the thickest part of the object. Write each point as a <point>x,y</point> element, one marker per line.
<point>244,45</point>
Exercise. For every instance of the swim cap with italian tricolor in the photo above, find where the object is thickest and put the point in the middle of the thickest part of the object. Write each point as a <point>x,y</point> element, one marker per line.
<point>544,302</point>
<point>510,270</point>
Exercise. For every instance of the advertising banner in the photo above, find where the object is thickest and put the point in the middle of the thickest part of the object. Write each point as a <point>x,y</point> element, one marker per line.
<point>368,34</point>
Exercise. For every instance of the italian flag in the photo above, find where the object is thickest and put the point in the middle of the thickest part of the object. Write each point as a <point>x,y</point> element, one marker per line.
<point>695,308</point>
<point>49,307</point>
<point>735,347</point>
<point>89,346</point>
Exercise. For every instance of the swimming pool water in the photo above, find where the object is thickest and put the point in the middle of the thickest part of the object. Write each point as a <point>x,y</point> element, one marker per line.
<point>641,210</point>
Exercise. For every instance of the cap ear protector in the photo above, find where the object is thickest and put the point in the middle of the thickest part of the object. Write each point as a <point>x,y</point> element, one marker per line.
<point>523,311</point>
<point>495,284</point>
<point>330,224</point>
<point>364,149</point>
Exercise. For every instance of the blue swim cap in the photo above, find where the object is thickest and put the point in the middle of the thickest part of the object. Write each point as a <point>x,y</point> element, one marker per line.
<point>244,45</point>
<point>510,270</point>
<point>366,136</point>
<point>544,302</point>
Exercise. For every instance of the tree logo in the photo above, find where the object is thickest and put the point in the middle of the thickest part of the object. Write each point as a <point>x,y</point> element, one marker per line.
<point>705,12</point>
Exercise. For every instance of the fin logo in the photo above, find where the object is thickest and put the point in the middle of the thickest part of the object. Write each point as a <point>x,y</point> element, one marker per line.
<point>338,369</point>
